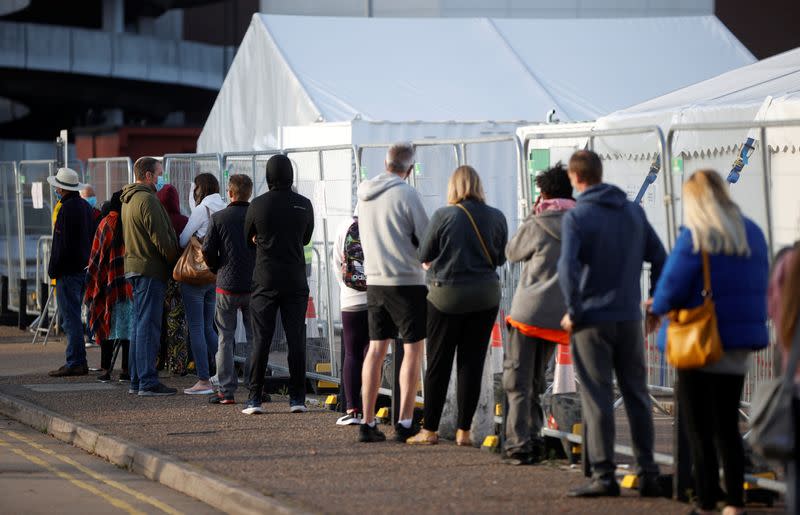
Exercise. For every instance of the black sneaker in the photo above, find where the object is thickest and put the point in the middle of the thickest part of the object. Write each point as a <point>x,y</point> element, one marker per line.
<point>519,458</point>
<point>123,377</point>
<point>649,486</point>
<point>104,377</point>
<point>597,488</point>
<point>158,390</point>
<point>367,433</point>
<point>219,398</point>
<point>402,433</point>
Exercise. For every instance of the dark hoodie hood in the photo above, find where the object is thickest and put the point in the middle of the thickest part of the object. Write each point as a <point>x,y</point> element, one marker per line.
<point>604,194</point>
<point>169,199</point>
<point>280,175</point>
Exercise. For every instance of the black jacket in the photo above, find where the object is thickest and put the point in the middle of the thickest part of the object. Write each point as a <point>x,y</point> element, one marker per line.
<point>453,249</point>
<point>226,251</point>
<point>282,223</point>
<point>72,237</point>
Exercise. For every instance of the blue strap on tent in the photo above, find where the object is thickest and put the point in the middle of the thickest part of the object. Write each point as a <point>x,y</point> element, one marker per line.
<point>652,175</point>
<point>741,161</point>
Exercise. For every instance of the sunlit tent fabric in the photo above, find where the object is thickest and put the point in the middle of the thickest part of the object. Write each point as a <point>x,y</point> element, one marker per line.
<point>299,70</point>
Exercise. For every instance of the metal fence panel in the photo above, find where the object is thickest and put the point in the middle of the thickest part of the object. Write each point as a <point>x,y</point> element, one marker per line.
<point>253,164</point>
<point>181,169</point>
<point>107,175</point>
<point>9,235</point>
<point>35,201</point>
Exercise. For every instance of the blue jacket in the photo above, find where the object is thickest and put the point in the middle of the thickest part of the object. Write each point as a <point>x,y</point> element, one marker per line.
<point>604,241</point>
<point>738,285</point>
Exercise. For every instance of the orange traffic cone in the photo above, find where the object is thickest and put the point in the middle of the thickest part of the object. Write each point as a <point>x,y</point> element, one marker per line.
<point>312,322</point>
<point>564,376</point>
<point>496,349</point>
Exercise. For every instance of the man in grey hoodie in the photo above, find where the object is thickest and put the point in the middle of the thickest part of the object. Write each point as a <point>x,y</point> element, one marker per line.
<point>392,222</point>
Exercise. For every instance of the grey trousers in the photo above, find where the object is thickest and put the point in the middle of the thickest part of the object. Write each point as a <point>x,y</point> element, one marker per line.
<point>599,351</point>
<point>524,367</point>
<point>225,317</point>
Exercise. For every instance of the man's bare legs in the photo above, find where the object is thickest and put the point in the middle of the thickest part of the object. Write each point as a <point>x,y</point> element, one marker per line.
<point>371,377</point>
<point>409,378</point>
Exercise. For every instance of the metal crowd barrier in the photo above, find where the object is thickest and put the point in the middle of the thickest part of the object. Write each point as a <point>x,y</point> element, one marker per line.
<point>252,164</point>
<point>181,169</point>
<point>108,174</point>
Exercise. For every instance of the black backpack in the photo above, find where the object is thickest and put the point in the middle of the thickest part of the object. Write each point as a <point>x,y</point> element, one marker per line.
<point>353,265</point>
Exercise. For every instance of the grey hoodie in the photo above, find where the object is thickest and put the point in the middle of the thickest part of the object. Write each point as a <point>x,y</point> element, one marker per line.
<point>391,222</point>
<point>538,300</point>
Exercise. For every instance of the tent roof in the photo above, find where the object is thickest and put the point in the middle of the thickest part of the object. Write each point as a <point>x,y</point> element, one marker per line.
<point>304,69</point>
<point>733,96</point>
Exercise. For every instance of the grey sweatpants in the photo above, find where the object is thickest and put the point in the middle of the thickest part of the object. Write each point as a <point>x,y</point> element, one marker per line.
<point>599,351</point>
<point>227,309</point>
<point>524,366</point>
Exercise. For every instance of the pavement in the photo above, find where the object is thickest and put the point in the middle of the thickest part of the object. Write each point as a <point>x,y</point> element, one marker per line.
<point>290,463</point>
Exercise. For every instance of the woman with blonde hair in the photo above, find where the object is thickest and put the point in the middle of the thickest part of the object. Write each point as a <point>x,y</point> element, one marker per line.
<point>709,396</point>
<point>461,251</point>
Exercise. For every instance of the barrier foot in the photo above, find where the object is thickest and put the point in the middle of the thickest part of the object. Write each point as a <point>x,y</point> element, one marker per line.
<point>4,295</point>
<point>22,322</point>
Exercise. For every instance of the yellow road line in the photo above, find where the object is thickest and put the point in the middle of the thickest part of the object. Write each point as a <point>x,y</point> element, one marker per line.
<point>95,475</point>
<point>118,503</point>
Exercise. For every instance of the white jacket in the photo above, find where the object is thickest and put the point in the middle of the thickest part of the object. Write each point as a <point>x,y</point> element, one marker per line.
<point>200,217</point>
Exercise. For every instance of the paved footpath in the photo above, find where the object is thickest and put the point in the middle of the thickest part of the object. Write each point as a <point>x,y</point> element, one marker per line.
<point>302,461</point>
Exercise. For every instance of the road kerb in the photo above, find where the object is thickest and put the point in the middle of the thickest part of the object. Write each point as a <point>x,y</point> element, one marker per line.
<point>222,494</point>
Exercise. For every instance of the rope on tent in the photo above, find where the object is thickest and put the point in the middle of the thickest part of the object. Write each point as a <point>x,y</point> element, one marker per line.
<point>652,175</point>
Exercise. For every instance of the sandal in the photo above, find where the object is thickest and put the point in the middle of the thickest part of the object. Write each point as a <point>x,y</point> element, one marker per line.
<point>463,438</point>
<point>424,437</point>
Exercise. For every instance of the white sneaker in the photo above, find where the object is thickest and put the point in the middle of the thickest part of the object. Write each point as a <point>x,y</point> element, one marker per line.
<point>251,408</point>
<point>199,388</point>
<point>298,408</point>
<point>349,419</point>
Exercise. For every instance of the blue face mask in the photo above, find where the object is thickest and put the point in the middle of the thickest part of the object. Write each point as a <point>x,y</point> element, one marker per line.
<point>92,201</point>
<point>160,183</point>
<point>57,194</point>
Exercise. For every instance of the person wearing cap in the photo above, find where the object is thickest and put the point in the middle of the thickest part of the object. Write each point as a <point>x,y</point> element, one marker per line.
<point>151,250</point>
<point>72,242</point>
<point>279,224</point>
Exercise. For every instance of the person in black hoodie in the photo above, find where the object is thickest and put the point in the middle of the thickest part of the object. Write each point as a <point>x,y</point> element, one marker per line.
<point>278,224</point>
<point>72,242</point>
<point>227,254</point>
<point>604,241</point>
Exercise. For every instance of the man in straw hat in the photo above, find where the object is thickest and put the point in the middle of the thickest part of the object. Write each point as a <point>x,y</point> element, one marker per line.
<point>72,241</point>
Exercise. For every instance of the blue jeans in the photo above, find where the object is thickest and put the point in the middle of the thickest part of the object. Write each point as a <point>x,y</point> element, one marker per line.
<point>69,292</point>
<point>199,303</point>
<point>148,310</point>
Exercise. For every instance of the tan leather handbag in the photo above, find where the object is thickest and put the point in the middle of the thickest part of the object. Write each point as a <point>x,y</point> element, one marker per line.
<point>692,334</point>
<point>191,267</point>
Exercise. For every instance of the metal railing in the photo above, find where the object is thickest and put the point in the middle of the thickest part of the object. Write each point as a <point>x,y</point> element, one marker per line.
<point>108,174</point>
<point>181,169</point>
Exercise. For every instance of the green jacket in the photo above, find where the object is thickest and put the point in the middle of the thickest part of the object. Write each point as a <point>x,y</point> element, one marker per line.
<point>151,248</point>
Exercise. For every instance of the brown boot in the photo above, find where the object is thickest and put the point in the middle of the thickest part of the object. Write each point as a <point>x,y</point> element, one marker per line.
<point>424,437</point>
<point>463,439</point>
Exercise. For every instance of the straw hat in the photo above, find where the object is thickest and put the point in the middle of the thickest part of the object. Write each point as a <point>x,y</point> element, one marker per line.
<point>66,179</point>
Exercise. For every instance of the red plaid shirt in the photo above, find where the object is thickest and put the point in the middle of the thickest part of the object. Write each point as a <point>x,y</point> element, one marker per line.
<point>106,284</point>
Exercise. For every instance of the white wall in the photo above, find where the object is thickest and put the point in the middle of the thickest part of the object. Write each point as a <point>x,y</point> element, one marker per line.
<point>492,8</point>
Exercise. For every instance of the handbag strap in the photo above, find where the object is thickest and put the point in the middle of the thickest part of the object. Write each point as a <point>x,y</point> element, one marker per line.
<point>706,275</point>
<point>478,233</point>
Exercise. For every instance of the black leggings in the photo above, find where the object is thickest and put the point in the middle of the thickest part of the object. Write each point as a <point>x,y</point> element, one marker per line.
<point>710,405</point>
<point>107,352</point>
<point>355,336</point>
<point>469,334</point>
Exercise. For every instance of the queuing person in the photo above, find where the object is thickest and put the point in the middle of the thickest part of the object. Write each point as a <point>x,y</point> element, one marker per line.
<point>108,293</point>
<point>461,251</point>
<point>348,260</point>
<point>784,310</point>
<point>87,194</point>
<point>278,224</point>
<point>72,241</point>
<point>199,300</point>
<point>228,255</point>
<point>534,321</point>
<point>604,240</point>
<point>392,222</point>
<point>709,396</point>
<point>174,350</point>
<point>150,254</point>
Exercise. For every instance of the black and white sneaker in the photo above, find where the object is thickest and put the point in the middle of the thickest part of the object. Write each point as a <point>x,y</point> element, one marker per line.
<point>158,390</point>
<point>252,407</point>
<point>349,419</point>
<point>297,406</point>
<point>403,433</point>
<point>367,434</point>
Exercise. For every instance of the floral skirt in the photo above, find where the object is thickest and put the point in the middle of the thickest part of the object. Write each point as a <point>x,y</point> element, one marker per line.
<point>174,333</point>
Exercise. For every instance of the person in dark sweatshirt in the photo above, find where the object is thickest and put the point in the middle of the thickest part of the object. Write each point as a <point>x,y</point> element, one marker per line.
<point>604,241</point>
<point>534,322</point>
<point>72,242</point>
<point>278,224</point>
<point>228,255</point>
